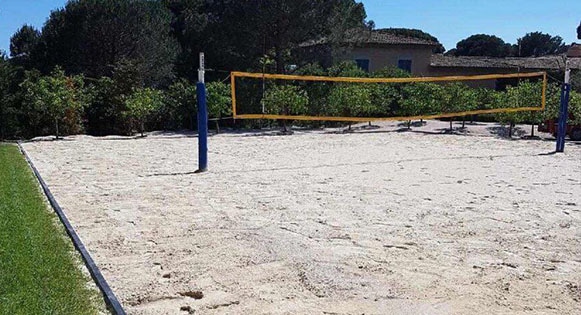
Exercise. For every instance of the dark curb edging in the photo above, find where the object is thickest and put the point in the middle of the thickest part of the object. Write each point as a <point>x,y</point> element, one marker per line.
<point>110,298</point>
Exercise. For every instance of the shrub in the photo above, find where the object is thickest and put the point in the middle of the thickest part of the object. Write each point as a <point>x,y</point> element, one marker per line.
<point>347,69</point>
<point>508,99</point>
<point>457,97</point>
<point>470,102</point>
<point>529,95</point>
<point>179,110</point>
<point>349,99</point>
<point>141,104</point>
<point>525,94</point>
<point>391,72</point>
<point>575,108</point>
<point>219,101</point>
<point>57,97</point>
<point>387,97</point>
<point>420,99</point>
<point>553,102</point>
<point>318,92</point>
<point>105,110</point>
<point>485,98</point>
<point>286,100</point>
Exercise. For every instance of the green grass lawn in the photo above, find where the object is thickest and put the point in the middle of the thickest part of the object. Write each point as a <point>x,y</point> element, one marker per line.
<point>39,273</point>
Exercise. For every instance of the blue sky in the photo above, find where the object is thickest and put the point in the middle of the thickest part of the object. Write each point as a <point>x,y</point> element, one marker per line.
<point>449,20</point>
<point>15,13</point>
<point>453,20</point>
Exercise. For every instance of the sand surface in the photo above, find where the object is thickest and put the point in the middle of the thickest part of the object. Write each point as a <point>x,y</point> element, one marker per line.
<point>371,222</point>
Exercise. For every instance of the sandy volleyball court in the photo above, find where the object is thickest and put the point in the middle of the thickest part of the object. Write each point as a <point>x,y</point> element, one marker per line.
<point>375,222</point>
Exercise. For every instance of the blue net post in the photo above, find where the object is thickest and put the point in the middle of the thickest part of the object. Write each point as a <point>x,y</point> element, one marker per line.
<point>202,119</point>
<point>202,128</point>
<point>563,116</point>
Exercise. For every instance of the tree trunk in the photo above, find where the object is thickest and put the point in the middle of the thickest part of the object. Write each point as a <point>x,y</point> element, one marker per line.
<point>217,126</point>
<point>142,128</point>
<point>463,122</point>
<point>284,129</point>
<point>349,127</point>
<point>369,124</point>
<point>56,123</point>
<point>409,124</point>
<point>510,130</point>
<point>451,127</point>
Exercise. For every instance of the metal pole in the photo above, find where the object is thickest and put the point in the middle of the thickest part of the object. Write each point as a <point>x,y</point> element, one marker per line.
<point>202,118</point>
<point>564,110</point>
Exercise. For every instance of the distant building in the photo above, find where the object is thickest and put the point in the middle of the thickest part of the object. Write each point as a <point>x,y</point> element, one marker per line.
<point>441,65</point>
<point>375,50</point>
<point>450,65</point>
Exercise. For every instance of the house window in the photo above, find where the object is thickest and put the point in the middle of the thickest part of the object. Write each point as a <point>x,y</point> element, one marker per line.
<point>363,64</point>
<point>405,64</point>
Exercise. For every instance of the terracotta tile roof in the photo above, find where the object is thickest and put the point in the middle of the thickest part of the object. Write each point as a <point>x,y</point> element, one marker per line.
<point>376,38</point>
<point>536,63</point>
<point>386,38</point>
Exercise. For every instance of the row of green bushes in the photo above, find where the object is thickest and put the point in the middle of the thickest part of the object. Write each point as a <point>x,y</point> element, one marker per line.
<point>411,99</point>
<point>61,104</point>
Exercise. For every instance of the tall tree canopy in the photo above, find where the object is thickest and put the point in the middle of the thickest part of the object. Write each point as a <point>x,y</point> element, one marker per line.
<point>4,92</point>
<point>189,20</point>
<point>24,41</point>
<point>237,34</point>
<point>345,15</point>
<point>94,36</point>
<point>483,45</point>
<point>283,24</point>
<point>539,44</point>
<point>156,37</point>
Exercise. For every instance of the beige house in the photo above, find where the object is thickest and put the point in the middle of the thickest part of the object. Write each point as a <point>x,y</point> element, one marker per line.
<point>375,50</point>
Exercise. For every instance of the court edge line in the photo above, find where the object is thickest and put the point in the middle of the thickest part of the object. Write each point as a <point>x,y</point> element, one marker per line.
<point>110,298</point>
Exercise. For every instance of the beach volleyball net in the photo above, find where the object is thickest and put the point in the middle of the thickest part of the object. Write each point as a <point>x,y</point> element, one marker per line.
<point>362,99</point>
